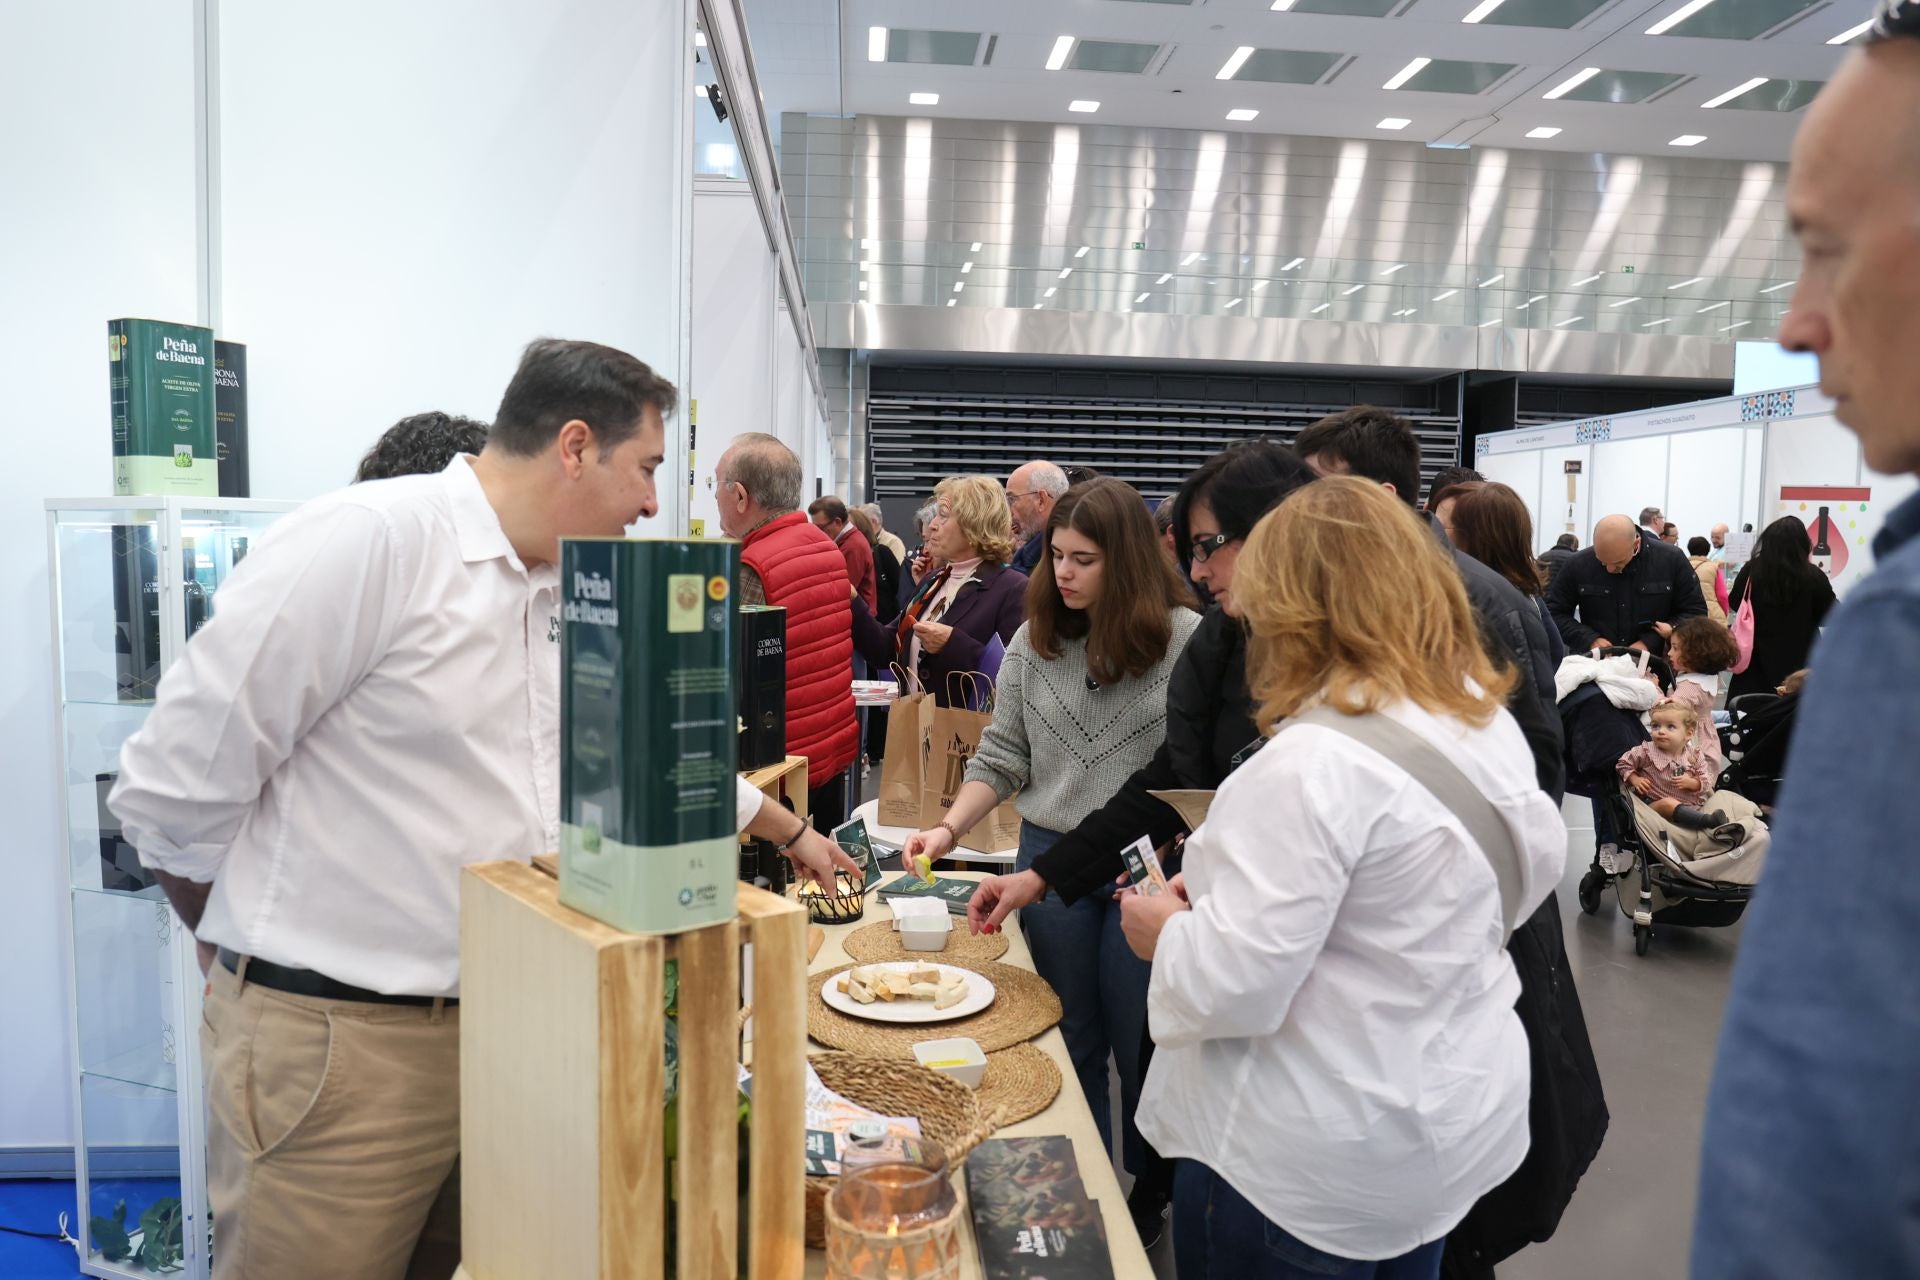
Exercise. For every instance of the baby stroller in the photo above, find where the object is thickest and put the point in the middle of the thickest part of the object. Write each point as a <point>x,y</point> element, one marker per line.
<point>1755,745</point>
<point>1675,877</point>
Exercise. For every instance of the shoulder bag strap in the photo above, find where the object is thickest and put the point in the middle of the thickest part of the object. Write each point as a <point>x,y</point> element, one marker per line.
<point>1444,780</point>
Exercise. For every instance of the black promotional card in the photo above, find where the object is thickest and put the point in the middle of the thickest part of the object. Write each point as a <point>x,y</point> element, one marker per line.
<point>1032,1216</point>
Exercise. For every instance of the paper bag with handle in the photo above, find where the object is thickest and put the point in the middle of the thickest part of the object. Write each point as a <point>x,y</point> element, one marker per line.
<point>956,736</point>
<point>903,771</point>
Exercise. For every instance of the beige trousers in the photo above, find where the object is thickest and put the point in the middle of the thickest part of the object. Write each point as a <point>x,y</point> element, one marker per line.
<point>333,1136</point>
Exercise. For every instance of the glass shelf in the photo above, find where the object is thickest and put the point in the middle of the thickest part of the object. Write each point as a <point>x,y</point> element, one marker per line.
<point>97,856</point>
<point>124,968</point>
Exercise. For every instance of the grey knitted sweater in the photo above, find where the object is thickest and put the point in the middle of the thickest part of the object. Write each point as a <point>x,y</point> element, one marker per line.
<point>1064,747</point>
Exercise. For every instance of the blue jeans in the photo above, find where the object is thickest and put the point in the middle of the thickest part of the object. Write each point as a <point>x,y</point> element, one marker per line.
<point>1217,1233</point>
<point>1102,986</point>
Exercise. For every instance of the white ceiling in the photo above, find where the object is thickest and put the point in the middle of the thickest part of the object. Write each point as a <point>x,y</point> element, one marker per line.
<point>812,56</point>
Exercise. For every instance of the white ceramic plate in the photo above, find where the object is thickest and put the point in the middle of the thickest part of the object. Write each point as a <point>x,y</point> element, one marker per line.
<point>979,996</point>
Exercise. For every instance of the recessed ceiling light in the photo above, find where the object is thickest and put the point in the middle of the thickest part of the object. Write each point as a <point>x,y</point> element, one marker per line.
<point>1652,324</point>
<point>1232,66</point>
<point>1407,73</point>
<point>1322,307</point>
<point>1491,280</point>
<point>1481,10</point>
<point>1737,324</point>
<point>1686,283</point>
<point>1852,33</point>
<point>1442,297</point>
<point>1163,279</point>
<point>1291,265</point>
<point>1190,259</point>
<point>1398,266</point>
<point>1688,140</point>
<point>1142,297</point>
<point>951,301</point>
<point>1677,17</point>
<point>1051,290</point>
<point>1571,83</point>
<point>1775,288</point>
<point>1064,273</point>
<point>1624,302</point>
<point>1544,131</point>
<point>1236,302</point>
<point>700,39</point>
<point>1712,306</point>
<point>965,267</point>
<point>1393,122</point>
<point>924,99</point>
<point>1561,324</point>
<point>1081,252</point>
<point>1487,324</point>
<point>1281,6</point>
<point>1061,48</point>
<point>1243,114</point>
<point>1733,93</point>
<point>958,285</point>
<point>1038,305</point>
<point>1538,297</point>
<point>1083,104</point>
<point>1348,293</point>
<point>1589,280</point>
<point>976,247</point>
<point>876,44</point>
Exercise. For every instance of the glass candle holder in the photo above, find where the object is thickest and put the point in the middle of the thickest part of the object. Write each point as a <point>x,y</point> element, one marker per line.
<point>895,1221</point>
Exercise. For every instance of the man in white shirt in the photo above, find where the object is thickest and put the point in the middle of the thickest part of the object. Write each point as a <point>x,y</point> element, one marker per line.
<point>374,705</point>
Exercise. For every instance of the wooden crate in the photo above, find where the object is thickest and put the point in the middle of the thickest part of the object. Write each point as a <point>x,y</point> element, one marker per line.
<point>787,781</point>
<point>562,1079</point>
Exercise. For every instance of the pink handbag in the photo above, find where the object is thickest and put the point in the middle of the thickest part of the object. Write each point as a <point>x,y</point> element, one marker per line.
<point>1743,631</point>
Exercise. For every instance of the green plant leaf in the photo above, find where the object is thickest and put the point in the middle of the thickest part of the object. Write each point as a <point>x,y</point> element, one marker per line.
<point>161,1243</point>
<point>109,1235</point>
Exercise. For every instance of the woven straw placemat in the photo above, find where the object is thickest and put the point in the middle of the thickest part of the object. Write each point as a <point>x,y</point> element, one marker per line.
<point>872,943</point>
<point>1023,1007</point>
<point>1020,1083</point>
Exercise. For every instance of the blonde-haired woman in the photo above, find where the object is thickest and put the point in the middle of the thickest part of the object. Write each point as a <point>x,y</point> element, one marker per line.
<point>1339,1060</point>
<point>957,613</point>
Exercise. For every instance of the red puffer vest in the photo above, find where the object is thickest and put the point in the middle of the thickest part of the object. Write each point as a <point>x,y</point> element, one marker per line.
<point>804,572</point>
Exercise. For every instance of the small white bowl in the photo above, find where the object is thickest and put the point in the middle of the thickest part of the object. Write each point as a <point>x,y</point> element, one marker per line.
<point>959,1059</point>
<point>926,933</point>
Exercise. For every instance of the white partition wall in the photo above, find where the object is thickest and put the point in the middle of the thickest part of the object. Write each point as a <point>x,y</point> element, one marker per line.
<point>1738,460</point>
<point>409,193</point>
<point>735,330</point>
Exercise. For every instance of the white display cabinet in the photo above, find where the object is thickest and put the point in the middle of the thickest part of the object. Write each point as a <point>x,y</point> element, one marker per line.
<point>132,579</point>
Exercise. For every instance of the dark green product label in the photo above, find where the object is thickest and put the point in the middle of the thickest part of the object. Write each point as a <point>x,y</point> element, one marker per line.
<point>161,385</point>
<point>649,732</point>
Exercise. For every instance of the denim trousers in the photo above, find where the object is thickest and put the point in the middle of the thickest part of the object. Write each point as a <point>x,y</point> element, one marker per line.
<point>1102,986</point>
<point>1217,1233</point>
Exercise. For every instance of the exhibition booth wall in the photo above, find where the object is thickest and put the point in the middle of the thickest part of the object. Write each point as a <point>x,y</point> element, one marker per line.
<point>1738,460</point>
<point>385,222</point>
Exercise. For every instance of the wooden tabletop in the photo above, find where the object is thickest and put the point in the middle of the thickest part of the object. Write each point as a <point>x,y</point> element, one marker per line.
<point>1068,1115</point>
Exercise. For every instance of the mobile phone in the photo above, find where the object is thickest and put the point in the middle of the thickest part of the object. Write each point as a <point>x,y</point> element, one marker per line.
<point>1143,867</point>
<point>852,837</point>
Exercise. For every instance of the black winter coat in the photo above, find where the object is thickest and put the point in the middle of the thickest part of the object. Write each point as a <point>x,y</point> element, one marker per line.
<point>1658,585</point>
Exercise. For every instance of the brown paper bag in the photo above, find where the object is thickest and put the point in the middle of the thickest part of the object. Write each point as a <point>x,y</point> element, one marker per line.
<point>955,737</point>
<point>903,770</point>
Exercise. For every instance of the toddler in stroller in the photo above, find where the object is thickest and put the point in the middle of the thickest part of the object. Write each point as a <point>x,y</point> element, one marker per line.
<point>1674,777</point>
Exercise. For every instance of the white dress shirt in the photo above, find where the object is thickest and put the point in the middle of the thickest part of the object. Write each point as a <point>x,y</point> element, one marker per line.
<point>374,705</point>
<point>1335,1015</point>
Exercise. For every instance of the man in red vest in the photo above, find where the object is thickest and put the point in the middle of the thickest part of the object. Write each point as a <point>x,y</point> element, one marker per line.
<point>786,561</point>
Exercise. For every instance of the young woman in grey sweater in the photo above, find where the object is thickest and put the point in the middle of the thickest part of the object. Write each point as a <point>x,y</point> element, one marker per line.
<point>1082,704</point>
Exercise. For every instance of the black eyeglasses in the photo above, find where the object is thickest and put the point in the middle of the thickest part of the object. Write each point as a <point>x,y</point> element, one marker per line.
<point>1202,548</point>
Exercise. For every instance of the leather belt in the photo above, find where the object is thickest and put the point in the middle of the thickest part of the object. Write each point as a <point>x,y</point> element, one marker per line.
<point>305,982</point>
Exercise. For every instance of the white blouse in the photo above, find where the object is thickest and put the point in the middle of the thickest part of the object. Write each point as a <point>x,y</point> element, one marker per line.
<point>1335,1015</point>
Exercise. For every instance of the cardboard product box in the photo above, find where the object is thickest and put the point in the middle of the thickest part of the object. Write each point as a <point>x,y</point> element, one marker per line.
<point>230,418</point>
<point>648,729</point>
<point>161,383</point>
<point>762,677</point>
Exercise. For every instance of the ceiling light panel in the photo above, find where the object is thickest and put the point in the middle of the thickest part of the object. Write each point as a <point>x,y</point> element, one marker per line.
<point>1621,86</point>
<point>1491,280</point>
<point>1061,48</point>
<point>1086,106</point>
<point>1588,280</point>
<point>1763,94</point>
<point>1557,15</point>
<point>924,99</point>
<point>1345,8</point>
<point>932,48</point>
<point>876,44</point>
<point>1283,66</point>
<point>1730,19</point>
<point>1687,284</point>
<point>1571,83</point>
<point>1243,114</point>
<point>1543,133</point>
<point>1408,72</point>
<point>1322,307</point>
<point>1442,297</point>
<point>1114,56</point>
<point>1142,297</point>
<point>1688,140</point>
<point>1852,33</point>
<point>1394,122</point>
<point>1231,67</point>
<point>1733,93</point>
<point>1778,287</point>
<point>1163,279</point>
<point>1291,265</point>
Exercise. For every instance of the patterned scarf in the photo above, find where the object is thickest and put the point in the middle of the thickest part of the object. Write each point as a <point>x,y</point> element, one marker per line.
<point>903,631</point>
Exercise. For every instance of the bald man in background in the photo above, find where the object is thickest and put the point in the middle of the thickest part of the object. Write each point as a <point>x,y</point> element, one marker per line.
<point>1628,589</point>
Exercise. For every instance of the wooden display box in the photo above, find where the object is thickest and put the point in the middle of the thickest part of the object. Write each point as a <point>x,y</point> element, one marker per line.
<point>783,782</point>
<point>562,1088</point>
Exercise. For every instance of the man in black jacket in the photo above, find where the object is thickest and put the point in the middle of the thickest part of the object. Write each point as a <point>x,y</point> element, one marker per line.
<point>1628,590</point>
<point>1555,557</point>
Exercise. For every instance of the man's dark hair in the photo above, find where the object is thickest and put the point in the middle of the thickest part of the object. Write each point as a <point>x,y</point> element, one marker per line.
<point>1699,546</point>
<point>1239,485</point>
<point>1076,475</point>
<point>831,507</point>
<point>559,381</point>
<point>422,444</point>
<point>1649,516</point>
<point>1446,478</point>
<point>1375,444</point>
<point>1567,542</point>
